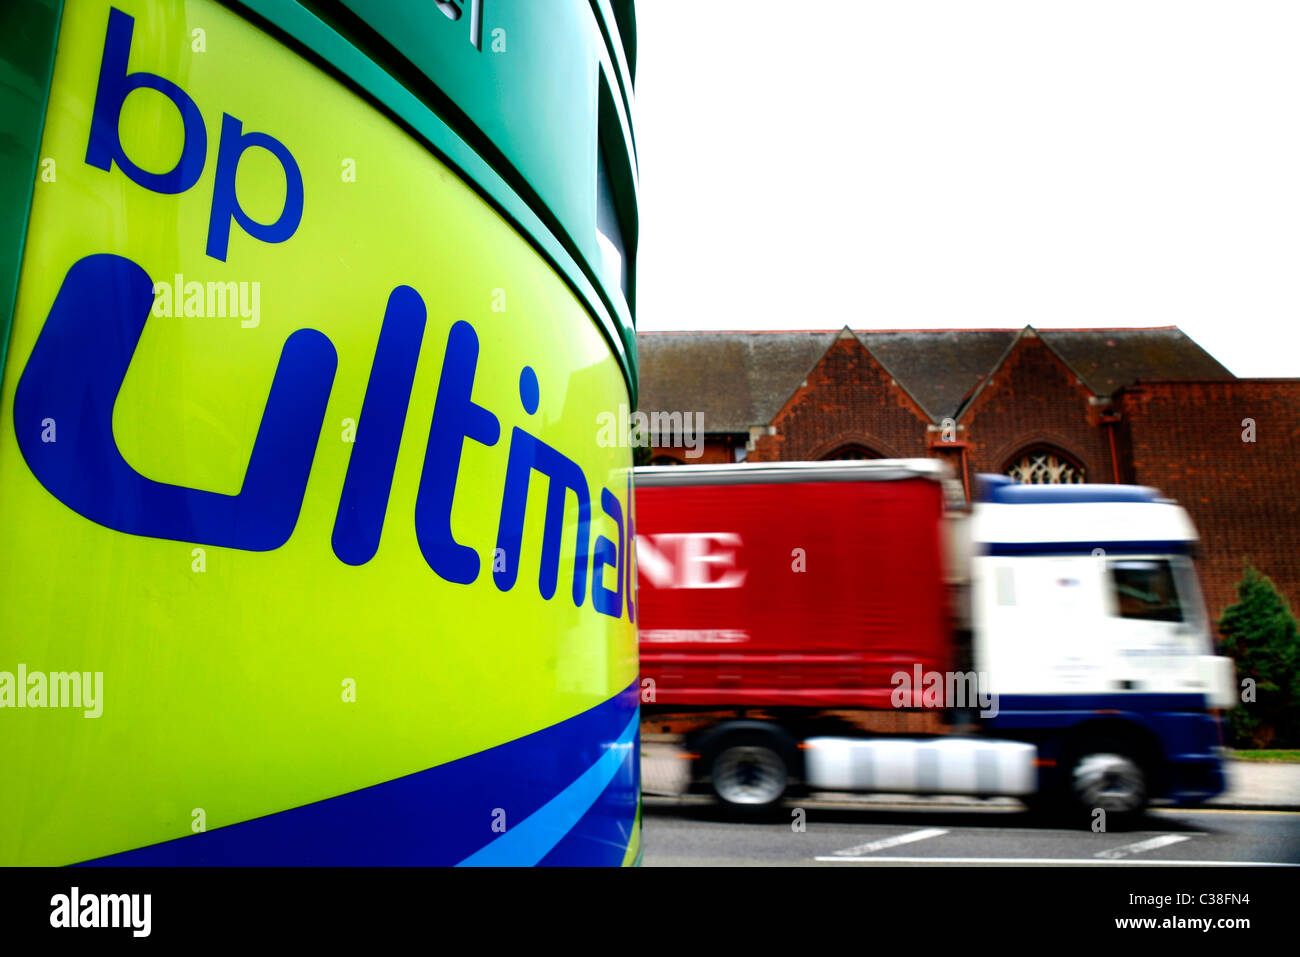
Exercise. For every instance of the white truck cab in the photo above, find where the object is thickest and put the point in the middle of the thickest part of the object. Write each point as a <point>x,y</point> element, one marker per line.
<point>1090,590</point>
<point>1090,638</point>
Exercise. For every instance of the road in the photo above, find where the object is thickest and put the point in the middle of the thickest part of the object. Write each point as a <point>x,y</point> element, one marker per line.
<point>690,831</point>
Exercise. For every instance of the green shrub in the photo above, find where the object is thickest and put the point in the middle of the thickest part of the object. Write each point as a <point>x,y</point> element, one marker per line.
<point>1260,633</point>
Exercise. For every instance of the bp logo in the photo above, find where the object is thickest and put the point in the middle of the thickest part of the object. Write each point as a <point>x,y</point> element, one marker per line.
<point>85,347</point>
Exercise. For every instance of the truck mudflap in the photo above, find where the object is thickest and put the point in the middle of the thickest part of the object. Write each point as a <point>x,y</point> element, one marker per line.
<point>980,766</point>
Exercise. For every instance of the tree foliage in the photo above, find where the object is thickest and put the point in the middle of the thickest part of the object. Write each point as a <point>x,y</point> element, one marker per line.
<point>1260,633</point>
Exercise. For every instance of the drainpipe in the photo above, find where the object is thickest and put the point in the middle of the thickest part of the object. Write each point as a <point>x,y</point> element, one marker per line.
<point>1110,418</point>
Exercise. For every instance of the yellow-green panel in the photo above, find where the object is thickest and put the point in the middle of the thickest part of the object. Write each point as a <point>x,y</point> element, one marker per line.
<point>245,682</point>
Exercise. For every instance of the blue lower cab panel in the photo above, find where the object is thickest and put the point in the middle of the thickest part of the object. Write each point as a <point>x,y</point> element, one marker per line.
<point>1187,733</point>
<point>1191,782</point>
<point>569,795</point>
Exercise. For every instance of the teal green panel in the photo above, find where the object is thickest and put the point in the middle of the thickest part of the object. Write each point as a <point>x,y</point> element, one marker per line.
<point>521,82</point>
<point>28,33</point>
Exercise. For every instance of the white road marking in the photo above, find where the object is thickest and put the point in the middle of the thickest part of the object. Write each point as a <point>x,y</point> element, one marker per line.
<point>1150,844</point>
<point>1052,860</point>
<point>885,842</point>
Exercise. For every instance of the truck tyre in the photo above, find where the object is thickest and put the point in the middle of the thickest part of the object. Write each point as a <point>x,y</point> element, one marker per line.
<point>1105,775</point>
<point>750,769</point>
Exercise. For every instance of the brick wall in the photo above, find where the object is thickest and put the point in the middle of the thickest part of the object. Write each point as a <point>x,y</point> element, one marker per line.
<point>1033,398</point>
<point>715,450</point>
<point>1185,438</point>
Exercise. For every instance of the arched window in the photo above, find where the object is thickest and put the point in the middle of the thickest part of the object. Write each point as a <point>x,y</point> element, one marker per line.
<point>1045,466</point>
<point>850,452</point>
<point>665,460</point>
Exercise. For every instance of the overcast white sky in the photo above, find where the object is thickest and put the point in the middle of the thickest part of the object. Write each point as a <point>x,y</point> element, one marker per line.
<point>974,163</point>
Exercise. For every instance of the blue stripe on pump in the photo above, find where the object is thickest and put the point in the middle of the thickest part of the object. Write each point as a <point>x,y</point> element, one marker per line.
<point>445,814</point>
<point>533,838</point>
<point>602,836</point>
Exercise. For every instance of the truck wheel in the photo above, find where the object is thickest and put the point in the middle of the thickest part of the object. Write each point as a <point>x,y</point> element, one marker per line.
<point>748,771</point>
<point>1107,777</point>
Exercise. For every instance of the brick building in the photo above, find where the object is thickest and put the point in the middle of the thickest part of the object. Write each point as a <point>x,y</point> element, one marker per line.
<point>1146,406</point>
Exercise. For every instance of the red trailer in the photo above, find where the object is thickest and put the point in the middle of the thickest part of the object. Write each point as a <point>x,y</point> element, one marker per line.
<point>802,586</point>
<point>776,601</point>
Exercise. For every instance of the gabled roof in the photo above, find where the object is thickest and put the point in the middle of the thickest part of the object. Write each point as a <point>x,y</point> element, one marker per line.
<point>741,379</point>
<point>1109,359</point>
<point>736,379</point>
<point>939,367</point>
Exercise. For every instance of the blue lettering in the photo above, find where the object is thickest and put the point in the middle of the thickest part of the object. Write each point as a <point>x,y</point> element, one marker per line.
<point>74,374</point>
<point>105,146</point>
<point>379,433</point>
<point>608,553</point>
<point>529,454</point>
<point>456,417</point>
<point>85,348</point>
<point>225,204</point>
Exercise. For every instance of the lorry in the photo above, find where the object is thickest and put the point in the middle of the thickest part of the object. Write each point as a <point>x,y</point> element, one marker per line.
<point>857,626</point>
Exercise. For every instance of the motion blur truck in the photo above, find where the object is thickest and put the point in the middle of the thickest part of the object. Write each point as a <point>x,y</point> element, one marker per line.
<point>856,626</point>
